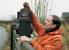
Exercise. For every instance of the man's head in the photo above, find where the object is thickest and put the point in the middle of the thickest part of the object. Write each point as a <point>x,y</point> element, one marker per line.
<point>53,22</point>
<point>26,5</point>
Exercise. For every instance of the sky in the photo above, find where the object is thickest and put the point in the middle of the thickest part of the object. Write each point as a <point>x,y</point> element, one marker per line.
<point>10,7</point>
<point>60,6</point>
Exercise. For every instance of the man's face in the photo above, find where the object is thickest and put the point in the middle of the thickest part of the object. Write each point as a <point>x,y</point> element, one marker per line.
<point>48,22</point>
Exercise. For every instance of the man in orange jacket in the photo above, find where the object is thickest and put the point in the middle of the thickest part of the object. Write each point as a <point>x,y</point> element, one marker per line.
<point>49,36</point>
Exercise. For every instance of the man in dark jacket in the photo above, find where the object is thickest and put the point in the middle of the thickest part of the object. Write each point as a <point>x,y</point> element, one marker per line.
<point>24,17</point>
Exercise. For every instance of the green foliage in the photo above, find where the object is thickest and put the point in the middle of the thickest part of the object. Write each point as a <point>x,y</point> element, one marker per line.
<point>66,18</point>
<point>6,26</point>
<point>42,19</point>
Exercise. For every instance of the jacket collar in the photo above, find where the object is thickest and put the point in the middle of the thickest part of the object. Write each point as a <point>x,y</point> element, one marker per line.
<point>59,31</point>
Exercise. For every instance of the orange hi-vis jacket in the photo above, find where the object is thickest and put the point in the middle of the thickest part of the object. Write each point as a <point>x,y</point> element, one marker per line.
<point>46,41</point>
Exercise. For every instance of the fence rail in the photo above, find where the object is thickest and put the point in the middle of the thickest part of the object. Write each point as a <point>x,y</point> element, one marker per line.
<point>16,45</point>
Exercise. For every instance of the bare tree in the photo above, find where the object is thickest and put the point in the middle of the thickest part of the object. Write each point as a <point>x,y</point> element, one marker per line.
<point>41,7</point>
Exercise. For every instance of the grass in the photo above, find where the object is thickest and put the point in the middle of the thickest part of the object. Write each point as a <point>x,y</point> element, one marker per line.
<point>66,37</point>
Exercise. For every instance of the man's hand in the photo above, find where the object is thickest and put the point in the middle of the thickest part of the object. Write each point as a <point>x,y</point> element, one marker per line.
<point>24,38</point>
